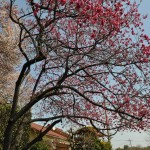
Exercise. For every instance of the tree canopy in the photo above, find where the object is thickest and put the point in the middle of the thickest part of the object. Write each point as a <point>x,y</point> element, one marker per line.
<point>87,138</point>
<point>89,60</point>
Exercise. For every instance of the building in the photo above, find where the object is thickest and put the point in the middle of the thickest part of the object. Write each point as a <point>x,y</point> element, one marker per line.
<point>56,138</point>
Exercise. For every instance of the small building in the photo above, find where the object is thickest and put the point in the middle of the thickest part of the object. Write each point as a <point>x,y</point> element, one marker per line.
<point>56,138</point>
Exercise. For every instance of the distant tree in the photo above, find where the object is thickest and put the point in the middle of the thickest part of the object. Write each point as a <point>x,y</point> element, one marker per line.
<point>134,148</point>
<point>126,147</point>
<point>87,138</point>
<point>119,148</point>
<point>8,55</point>
<point>10,59</point>
<point>90,64</point>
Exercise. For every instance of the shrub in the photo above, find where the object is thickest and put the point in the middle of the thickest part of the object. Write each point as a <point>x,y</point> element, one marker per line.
<point>40,146</point>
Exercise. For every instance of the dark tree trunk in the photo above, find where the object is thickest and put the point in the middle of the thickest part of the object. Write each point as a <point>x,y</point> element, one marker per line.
<point>8,136</point>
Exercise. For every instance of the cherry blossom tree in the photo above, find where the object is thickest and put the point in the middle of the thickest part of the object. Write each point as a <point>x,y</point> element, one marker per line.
<point>10,59</point>
<point>90,64</point>
<point>8,55</point>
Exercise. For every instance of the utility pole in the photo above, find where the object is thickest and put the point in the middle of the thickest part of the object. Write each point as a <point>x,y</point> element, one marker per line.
<point>130,142</point>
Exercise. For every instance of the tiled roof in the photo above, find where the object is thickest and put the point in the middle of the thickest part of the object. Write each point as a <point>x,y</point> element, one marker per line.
<point>51,133</point>
<point>59,131</point>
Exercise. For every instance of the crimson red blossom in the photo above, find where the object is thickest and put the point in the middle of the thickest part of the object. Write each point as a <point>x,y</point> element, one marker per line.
<point>90,63</point>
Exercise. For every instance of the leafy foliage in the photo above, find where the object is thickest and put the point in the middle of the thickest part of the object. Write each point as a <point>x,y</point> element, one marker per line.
<point>40,146</point>
<point>20,129</point>
<point>88,139</point>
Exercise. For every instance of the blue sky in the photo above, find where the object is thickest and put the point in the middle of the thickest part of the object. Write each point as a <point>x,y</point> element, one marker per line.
<point>122,138</point>
<point>144,8</point>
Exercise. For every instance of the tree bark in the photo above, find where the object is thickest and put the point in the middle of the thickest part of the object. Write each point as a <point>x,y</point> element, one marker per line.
<point>8,135</point>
